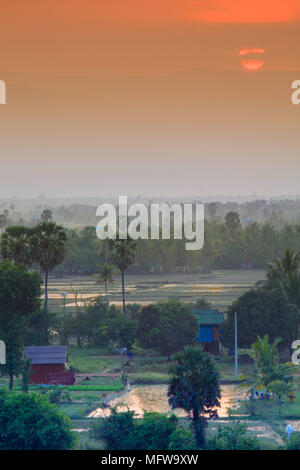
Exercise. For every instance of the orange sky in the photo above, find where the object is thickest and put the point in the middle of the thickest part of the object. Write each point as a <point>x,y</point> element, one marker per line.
<point>23,14</point>
<point>113,37</point>
<point>127,87</point>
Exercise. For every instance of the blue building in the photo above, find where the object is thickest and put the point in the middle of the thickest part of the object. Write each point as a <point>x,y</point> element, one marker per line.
<point>210,322</point>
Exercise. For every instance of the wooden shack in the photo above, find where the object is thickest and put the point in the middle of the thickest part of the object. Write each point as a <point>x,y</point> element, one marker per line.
<point>48,365</point>
<point>210,322</point>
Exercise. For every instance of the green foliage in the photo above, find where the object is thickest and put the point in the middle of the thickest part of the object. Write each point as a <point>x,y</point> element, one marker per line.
<point>50,251</point>
<point>105,276</point>
<point>260,312</point>
<point>294,442</point>
<point>232,221</point>
<point>103,323</point>
<point>167,326</point>
<point>26,374</point>
<point>194,387</point>
<point>283,275</point>
<point>84,388</point>
<point>29,422</point>
<point>56,394</point>
<point>20,292</point>
<point>233,437</point>
<point>267,364</point>
<point>17,245</point>
<point>122,254</point>
<point>114,430</point>
<point>121,431</point>
<point>182,439</point>
<point>202,304</point>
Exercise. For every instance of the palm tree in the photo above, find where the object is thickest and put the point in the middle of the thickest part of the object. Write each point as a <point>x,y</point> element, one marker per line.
<point>51,240</point>
<point>17,245</point>
<point>283,275</point>
<point>268,369</point>
<point>123,256</point>
<point>194,386</point>
<point>105,276</point>
<point>280,268</point>
<point>291,288</point>
<point>50,251</point>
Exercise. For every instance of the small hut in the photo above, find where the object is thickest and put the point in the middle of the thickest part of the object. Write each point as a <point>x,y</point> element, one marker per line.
<point>209,322</point>
<point>48,365</point>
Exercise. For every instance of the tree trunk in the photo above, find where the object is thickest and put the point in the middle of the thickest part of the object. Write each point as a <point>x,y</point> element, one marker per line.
<point>105,286</point>
<point>11,380</point>
<point>123,292</point>
<point>45,313</point>
<point>252,402</point>
<point>46,290</point>
<point>198,425</point>
<point>78,340</point>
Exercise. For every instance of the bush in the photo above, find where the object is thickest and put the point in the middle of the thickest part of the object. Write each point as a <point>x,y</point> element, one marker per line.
<point>167,326</point>
<point>182,439</point>
<point>114,430</point>
<point>30,422</point>
<point>120,431</point>
<point>260,312</point>
<point>294,441</point>
<point>233,437</point>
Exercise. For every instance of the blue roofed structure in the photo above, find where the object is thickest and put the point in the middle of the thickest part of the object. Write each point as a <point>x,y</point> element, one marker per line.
<point>209,322</point>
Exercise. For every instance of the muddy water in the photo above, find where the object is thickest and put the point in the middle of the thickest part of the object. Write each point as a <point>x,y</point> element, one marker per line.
<point>142,398</point>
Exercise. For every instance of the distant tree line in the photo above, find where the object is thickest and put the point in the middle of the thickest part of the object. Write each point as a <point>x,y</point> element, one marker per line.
<point>228,245</point>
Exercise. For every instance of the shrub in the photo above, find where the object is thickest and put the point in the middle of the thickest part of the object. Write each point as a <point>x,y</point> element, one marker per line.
<point>120,431</point>
<point>294,441</point>
<point>182,439</point>
<point>233,437</point>
<point>30,422</point>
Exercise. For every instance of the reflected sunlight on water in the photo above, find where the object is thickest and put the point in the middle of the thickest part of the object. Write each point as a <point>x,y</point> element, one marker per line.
<point>154,398</point>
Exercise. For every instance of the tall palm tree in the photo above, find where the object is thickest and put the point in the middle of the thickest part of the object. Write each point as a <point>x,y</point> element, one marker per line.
<point>105,276</point>
<point>123,256</point>
<point>194,387</point>
<point>51,241</point>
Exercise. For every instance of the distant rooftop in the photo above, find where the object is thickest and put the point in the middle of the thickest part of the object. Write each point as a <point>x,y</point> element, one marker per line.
<point>46,354</point>
<point>208,317</point>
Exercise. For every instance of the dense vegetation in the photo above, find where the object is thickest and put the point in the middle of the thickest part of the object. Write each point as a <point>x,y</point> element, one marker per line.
<point>226,247</point>
<point>29,422</point>
<point>236,236</point>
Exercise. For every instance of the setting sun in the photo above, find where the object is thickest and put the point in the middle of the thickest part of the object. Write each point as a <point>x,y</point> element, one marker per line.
<point>252,58</point>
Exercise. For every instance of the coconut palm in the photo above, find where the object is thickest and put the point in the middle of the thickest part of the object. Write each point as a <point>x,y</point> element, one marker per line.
<point>268,369</point>
<point>283,275</point>
<point>279,269</point>
<point>105,276</point>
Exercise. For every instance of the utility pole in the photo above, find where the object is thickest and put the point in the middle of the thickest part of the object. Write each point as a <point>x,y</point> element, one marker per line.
<point>235,344</point>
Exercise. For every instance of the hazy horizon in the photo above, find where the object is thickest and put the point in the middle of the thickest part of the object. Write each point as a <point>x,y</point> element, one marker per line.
<point>149,99</point>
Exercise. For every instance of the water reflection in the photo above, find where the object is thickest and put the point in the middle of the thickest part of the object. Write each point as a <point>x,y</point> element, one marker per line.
<point>154,398</point>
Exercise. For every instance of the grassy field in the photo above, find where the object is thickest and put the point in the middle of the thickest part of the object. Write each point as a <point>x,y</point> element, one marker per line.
<point>218,287</point>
